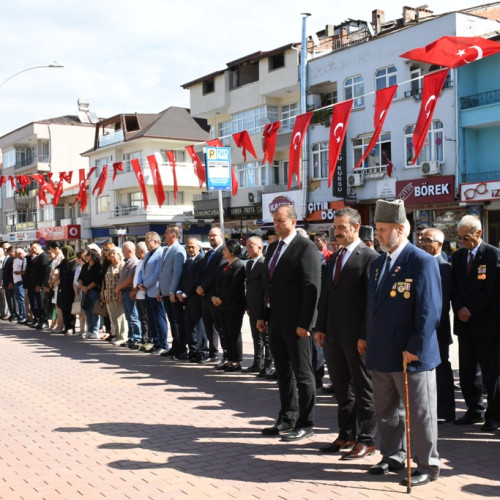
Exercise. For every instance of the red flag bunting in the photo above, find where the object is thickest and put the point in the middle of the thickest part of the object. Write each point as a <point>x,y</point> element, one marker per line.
<point>82,194</point>
<point>117,167</point>
<point>215,143</point>
<point>270,134</point>
<point>140,178</point>
<point>101,182</point>
<point>234,182</point>
<point>198,166</point>
<point>42,199</point>
<point>383,101</point>
<point>433,83</point>
<point>171,160</point>
<point>340,119</point>
<point>388,164</point>
<point>59,189</point>
<point>13,182</point>
<point>299,131</point>
<point>454,51</point>
<point>3,180</point>
<point>157,182</point>
<point>242,140</point>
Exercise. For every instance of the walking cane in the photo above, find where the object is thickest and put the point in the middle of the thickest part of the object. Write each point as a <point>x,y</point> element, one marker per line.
<point>408,446</point>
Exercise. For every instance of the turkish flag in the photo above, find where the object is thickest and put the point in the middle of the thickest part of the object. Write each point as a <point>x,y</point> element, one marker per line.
<point>40,179</point>
<point>234,182</point>
<point>157,182</point>
<point>454,51</point>
<point>299,131</point>
<point>140,178</point>
<point>197,165</point>
<point>215,143</point>
<point>270,134</point>
<point>171,160</point>
<point>341,113</point>
<point>383,101</point>
<point>433,83</point>
<point>101,182</point>
<point>42,199</point>
<point>59,189</point>
<point>82,194</point>
<point>3,180</point>
<point>67,176</point>
<point>242,140</point>
<point>50,187</point>
<point>12,180</point>
<point>117,167</point>
<point>389,165</point>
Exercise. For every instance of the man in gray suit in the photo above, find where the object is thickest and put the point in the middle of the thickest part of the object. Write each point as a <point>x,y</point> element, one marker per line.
<point>170,276</point>
<point>341,322</point>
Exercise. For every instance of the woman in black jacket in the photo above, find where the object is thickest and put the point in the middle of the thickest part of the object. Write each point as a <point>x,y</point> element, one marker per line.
<point>229,300</point>
<point>66,293</point>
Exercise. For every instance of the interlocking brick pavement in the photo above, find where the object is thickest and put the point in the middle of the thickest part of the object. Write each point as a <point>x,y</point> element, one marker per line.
<point>85,419</point>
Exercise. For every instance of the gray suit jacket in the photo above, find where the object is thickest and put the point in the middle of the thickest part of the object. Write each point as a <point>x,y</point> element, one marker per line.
<point>171,268</point>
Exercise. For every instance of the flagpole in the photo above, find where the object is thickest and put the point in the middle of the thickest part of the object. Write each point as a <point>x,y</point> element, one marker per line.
<point>303,108</point>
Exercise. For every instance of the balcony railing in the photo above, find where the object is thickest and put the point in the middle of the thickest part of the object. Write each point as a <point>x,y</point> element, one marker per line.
<point>373,172</point>
<point>482,99</point>
<point>111,138</point>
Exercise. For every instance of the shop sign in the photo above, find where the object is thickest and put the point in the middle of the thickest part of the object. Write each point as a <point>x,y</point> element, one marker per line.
<point>322,210</point>
<point>243,211</point>
<point>424,191</point>
<point>69,232</point>
<point>21,236</point>
<point>207,213</point>
<point>472,192</point>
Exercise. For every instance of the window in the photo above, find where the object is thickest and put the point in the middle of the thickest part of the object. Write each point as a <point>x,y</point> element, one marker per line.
<point>378,155</point>
<point>277,61</point>
<point>179,156</point>
<point>225,132</point>
<point>252,120</point>
<point>208,86</point>
<point>45,151</point>
<point>329,98</point>
<point>135,201</point>
<point>288,114</point>
<point>433,145</point>
<point>416,81</point>
<point>170,198</point>
<point>99,164</point>
<point>9,158</point>
<point>354,89</point>
<point>103,204</point>
<point>243,75</point>
<point>320,160</point>
<point>127,167</point>
<point>251,175</point>
<point>386,77</point>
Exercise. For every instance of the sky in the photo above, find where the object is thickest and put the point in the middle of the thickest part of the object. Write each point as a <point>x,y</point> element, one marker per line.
<point>127,56</point>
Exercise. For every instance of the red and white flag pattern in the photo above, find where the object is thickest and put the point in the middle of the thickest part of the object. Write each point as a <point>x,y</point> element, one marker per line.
<point>157,182</point>
<point>298,134</point>
<point>242,140</point>
<point>270,134</point>
<point>340,119</point>
<point>171,160</point>
<point>140,179</point>
<point>197,165</point>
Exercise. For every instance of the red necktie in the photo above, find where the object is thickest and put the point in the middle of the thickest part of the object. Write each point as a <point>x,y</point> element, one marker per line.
<point>338,264</point>
<point>469,263</point>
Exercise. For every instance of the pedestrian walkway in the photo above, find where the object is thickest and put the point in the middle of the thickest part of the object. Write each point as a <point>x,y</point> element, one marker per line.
<point>85,419</point>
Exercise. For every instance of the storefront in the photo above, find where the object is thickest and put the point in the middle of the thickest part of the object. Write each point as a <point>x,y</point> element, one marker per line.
<point>431,201</point>
<point>67,235</point>
<point>320,215</point>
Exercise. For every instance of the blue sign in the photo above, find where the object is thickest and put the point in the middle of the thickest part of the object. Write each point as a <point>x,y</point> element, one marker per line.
<point>218,162</point>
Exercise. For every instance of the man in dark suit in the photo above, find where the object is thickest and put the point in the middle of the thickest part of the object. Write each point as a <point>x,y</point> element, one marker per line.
<point>475,302</point>
<point>8,282</point>
<point>38,266</point>
<point>432,242</point>
<point>402,313</point>
<point>293,282</point>
<point>255,275</point>
<point>340,324</point>
<point>206,280</point>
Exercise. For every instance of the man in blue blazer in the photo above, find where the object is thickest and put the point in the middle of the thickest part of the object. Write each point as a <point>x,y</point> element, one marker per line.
<point>402,314</point>
<point>148,281</point>
<point>174,257</point>
<point>475,300</point>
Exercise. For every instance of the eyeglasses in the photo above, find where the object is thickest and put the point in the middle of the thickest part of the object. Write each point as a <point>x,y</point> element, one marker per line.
<point>467,237</point>
<point>428,240</point>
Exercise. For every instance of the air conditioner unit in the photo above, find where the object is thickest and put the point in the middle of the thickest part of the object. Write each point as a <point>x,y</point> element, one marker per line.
<point>430,168</point>
<point>355,180</point>
<point>254,196</point>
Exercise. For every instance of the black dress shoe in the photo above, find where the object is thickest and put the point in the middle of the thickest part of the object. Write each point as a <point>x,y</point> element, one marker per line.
<point>338,445</point>
<point>296,434</point>
<point>232,368</point>
<point>168,354</point>
<point>22,321</point>
<point>383,467</point>
<point>445,420</point>
<point>203,360</point>
<point>469,418</point>
<point>42,326</point>
<point>222,365</point>
<point>417,479</point>
<point>272,375</point>
<point>264,372</point>
<point>253,369</point>
<point>277,429</point>
<point>489,426</point>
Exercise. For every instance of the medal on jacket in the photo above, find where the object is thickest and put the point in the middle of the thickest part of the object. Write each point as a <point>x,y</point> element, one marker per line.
<point>481,272</point>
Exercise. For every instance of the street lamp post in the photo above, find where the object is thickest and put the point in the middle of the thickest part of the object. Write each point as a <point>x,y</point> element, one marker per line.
<point>53,65</point>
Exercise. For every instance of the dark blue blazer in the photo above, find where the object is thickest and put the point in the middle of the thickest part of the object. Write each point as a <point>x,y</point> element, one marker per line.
<point>405,313</point>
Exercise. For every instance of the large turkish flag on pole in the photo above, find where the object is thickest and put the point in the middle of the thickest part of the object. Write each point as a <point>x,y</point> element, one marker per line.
<point>340,119</point>
<point>298,134</point>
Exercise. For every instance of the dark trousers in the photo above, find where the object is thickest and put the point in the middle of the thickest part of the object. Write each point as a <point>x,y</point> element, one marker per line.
<point>262,357</point>
<point>68,318</point>
<point>195,329</point>
<point>210,322</point>
<point>35,299</point>
<point>293,362</point>
<point>231,322</point>
<point>143,318</point>
<point>354,392</point>
<point>445,385</point>
<point>175,316</point>
<point>157,322</point>
<point>485,352</point>
<point>11,301</point>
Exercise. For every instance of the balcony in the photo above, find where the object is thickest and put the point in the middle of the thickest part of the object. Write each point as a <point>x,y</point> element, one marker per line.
<point>111,138</point>
<point>481,99</point>
<point>377,172</point>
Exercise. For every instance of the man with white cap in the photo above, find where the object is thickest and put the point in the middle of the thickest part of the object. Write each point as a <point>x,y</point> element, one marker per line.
<point>402,314</point>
